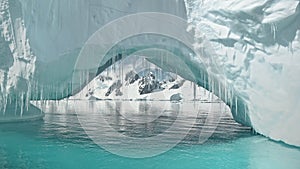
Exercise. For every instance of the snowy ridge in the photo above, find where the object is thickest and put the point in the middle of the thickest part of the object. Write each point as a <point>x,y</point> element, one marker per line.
<point>135,78</point>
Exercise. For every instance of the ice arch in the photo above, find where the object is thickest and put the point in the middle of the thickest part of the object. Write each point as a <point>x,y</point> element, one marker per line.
<point>42,39</point>
<point>180,56</point>
<point>256,42</point>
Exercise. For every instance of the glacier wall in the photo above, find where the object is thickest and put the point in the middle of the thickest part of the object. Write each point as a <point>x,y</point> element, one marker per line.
<point>256,44</point>
<point>55,31</point>
<point>58,29</point>
<point>17,64</point>
<point>255,49</point>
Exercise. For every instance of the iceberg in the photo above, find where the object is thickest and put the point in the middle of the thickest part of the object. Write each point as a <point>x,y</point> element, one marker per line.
<point>250,53</point>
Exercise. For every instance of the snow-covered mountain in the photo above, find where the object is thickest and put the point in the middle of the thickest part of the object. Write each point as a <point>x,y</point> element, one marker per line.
<point>134,78</point>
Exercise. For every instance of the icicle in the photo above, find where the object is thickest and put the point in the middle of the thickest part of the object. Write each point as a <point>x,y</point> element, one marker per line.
<point>87,75</point>
<point>67,94</point>
<point>122,71</point>
<point>212,89</point>
<point>80,76</point>
<point>208,88</point>
<point>204,83</point>
<point>274,27</point>
<point>55,94</point>
<point>167,58</point>
<point>225,92</point>
<point>4,106</point>
<point>114,65</point>
<point>111,70</point>
<point>9,99</point>
<point>16,106</point>
<point>41,95</point>
<point>236,106</point>
<point>22,104</point>
<point>195,91</point>
<point>232,94</point>
<point>27,97</point>
<point>36,89</point>
<point>245,117</point>
<point>229,98</point>
<point>5,103</point>
<point>219,88</point>
<point>119,67</point>
<point>291,47</point>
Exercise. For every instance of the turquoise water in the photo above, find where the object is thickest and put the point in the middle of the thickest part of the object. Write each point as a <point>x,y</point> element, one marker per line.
<point>59,141</point>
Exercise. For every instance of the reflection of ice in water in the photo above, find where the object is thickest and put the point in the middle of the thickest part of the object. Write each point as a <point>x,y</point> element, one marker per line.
<point>140,119</point>
<point>142,111</point>
<point>121,128</point>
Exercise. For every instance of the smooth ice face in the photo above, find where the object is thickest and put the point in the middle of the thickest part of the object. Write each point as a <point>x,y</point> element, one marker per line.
<point>255,47</point>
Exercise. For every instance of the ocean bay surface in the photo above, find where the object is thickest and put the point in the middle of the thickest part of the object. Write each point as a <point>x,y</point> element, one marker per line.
<point>60,140</point>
